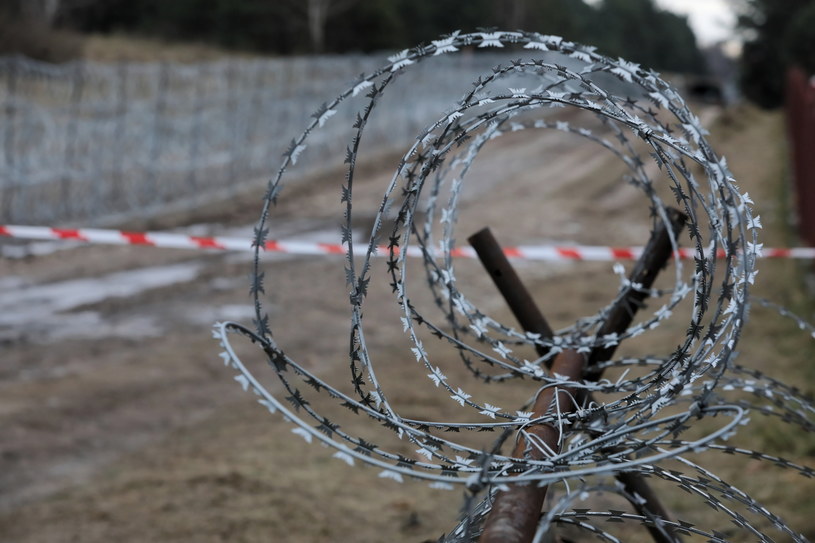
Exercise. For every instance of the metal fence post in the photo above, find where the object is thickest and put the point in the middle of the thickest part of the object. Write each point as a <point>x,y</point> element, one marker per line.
<point>68,180</point>
<point>801,122</point>
<point>150,192</point>
<point>9,185</point>
<point>117,199</point>
<point>197,121</point>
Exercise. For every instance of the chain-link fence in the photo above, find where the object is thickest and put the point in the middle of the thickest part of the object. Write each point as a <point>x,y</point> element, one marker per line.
<point>93,143</point>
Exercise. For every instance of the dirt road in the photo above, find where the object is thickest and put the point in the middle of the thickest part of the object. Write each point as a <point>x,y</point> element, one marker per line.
<point>119,422</point>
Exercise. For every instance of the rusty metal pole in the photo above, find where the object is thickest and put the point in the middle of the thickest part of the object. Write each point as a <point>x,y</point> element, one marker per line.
<point>654,258</point>
<point>515,511</point>
<point>650,507</point>
<point>510,285</point>
<point>517,508</point>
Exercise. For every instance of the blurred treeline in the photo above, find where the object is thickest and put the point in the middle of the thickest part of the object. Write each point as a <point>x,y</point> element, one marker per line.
<point>778,33</point>
<point>633,29</point>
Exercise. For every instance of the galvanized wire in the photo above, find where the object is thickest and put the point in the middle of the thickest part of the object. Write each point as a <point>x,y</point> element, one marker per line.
<point>633,424</point>
<point>88,143</point>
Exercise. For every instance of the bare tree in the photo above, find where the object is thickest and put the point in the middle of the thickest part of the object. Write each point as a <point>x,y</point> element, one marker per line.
<point>515,13</point>
<point>317,13</point>
<point>44,11</point>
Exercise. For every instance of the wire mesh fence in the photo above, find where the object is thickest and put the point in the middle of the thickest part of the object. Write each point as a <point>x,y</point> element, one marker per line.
<point>92,143</point>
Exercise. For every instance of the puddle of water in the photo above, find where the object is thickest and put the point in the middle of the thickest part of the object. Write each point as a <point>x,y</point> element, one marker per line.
<point>43,310</point>
<point>47,312</point>
<point>207,315</point>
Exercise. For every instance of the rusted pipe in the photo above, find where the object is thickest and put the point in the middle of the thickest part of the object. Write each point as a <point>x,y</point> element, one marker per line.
<point>648,506</point>
<point>522,504</point>
<point>654,257</point>
<point>510,285</point>
<point>515,511</point>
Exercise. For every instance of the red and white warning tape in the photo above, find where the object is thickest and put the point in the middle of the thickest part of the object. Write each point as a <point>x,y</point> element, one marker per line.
<point>183,241</point>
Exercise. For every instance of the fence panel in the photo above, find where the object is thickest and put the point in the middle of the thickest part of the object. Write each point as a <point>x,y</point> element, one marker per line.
<point>801,118</point>
<point>93,143</point>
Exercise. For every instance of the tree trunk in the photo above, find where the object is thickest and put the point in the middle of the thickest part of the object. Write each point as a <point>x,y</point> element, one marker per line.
<point>44,11</point>
<point>317,18</point>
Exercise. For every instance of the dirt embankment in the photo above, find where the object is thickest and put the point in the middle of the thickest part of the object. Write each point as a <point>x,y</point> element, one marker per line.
<point>118,421</point>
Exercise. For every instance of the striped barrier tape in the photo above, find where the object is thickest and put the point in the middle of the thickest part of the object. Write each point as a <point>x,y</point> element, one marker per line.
<point>293,247</point>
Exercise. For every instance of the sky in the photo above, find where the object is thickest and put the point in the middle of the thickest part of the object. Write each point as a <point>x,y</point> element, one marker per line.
<point>711,20</point>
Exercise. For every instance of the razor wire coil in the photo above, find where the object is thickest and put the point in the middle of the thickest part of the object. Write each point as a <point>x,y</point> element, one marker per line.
<point>634,423</point>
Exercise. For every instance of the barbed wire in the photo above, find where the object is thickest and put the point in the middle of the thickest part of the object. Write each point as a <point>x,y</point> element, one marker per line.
<point>635,424</point>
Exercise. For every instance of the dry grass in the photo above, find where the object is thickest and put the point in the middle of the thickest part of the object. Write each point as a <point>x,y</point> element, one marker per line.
<point>36,40</point>
<point>122,47</point>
